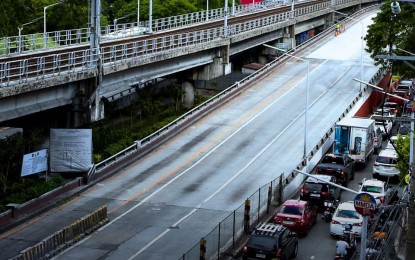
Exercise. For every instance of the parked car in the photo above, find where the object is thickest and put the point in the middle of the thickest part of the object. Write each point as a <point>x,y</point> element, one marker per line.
<point>403,94</point>
<point>393,107</point>
<point>297,215</point>
<point>317,191</point>
<point>271,241</point>
<point>385,164</point>
<point>341,166</point>
<point>346,214</point>
<point>385,114</point>
<point>385,127</point>
<point>376,188</point>
<point>405,85</point>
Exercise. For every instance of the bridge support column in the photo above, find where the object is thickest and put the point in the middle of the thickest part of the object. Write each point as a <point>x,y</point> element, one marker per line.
<point>219,67</point>
<point>289,37</point>
<point>188,94</point>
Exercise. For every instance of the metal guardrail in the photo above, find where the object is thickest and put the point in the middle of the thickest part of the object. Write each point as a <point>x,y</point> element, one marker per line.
<point>76,62</point>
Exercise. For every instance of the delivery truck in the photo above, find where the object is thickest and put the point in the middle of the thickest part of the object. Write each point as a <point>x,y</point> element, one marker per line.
<point>355,136</point>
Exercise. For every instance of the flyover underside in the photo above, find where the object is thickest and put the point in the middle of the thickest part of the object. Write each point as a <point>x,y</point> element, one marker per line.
<point>40,100</point>
<point>256,41</point>
<point>118,82</point>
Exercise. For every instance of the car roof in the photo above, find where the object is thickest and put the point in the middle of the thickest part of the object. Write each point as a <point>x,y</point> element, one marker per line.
<point>349,205</point>
<point>405,83</point>
<point>299,203</point>
<point>389,103</point>
<point>373,182</point>
<point>322,176</point>
<point>390,152</point>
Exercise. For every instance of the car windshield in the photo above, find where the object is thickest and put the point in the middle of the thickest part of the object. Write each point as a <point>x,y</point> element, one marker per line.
<point>265,242</point>
<point>343,213</point>
<point>315,187</point>
<point>291,210</point>
<point>333,159</point>
<point>372,189</point>
<point>385,160</point>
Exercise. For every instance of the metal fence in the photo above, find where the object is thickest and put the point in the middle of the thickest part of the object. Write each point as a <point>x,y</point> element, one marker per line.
<point>225,234</point>
<point>65,38</point>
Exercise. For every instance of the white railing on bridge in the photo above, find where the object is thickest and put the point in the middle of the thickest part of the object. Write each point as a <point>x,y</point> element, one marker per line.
<point>15,45</point>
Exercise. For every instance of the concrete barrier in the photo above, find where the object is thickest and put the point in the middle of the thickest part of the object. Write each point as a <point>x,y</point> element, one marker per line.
<point>65,237</point>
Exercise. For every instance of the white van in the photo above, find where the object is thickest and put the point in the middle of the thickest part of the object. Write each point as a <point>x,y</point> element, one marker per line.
<point>385,164</point>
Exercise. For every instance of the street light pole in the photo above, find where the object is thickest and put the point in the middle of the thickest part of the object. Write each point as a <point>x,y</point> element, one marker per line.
<point>20,28</point>
<point>306,98</point>
<point>362,43</point>
<point>44,23</point>
<point>138,15</point>
<point>150,17</point>
<point>207,10</point>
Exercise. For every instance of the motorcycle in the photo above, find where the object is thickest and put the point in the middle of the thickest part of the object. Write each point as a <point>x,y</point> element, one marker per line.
<point>350,238</point>
<point>329,208</point>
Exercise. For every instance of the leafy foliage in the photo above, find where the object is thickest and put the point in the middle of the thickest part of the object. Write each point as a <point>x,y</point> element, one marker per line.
<point>402,146</point>
<point>390,34</point>
<point>25,190</point>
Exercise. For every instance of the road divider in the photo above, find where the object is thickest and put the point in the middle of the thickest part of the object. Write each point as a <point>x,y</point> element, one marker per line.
<point>65,237</point>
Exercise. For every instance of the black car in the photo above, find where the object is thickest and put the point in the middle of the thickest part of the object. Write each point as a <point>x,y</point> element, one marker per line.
<point>271,241</point>
<point>341,166</point>
<point>317,191</point>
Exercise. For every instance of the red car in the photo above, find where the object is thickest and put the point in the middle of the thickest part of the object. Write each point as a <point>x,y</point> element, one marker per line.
<point>297,215</point>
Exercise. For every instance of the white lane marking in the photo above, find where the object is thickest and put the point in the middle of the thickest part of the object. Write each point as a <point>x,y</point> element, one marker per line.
<point>164,232</point>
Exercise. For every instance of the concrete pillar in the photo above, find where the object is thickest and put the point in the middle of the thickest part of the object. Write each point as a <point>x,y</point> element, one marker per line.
<point>289,37</point>
<point>213,70</point>
<point>188,94</point>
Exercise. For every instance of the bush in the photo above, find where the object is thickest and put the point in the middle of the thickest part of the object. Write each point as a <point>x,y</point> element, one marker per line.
<point>28,189</point>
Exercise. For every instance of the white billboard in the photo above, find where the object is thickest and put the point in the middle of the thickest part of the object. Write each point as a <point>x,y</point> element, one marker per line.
<point>35,162</point>
<point>70,150</point>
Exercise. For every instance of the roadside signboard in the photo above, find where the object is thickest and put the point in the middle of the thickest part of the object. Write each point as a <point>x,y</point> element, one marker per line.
<point>34,162</point>
<point>365,204</point>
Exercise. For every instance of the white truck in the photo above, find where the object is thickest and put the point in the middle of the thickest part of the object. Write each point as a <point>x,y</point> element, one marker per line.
<point>355,136</point>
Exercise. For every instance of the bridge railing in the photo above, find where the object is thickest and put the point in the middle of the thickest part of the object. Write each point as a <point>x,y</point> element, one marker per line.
<point>15,45</point>
<point>65,38</point>
<point>19,71</point>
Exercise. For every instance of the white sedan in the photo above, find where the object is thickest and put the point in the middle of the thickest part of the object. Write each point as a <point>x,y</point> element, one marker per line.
<point>346,214</point>
<point>376,188</point>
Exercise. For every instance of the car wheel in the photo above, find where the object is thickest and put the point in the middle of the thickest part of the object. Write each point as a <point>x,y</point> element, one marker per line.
<point>315,220</point>
<point>295,251</point>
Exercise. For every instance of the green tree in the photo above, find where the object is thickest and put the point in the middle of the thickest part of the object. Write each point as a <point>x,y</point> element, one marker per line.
<point>389,33</point>
<point>402,147</point>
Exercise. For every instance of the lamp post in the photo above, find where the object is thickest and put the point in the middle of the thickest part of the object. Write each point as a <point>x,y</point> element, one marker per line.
<point>117,19</point>
<point>207,10</point>
<point>306,98</point>
<point>44,22</point>
<point>292,9</point>
<point>20,28</point>
<point>138,15</point>
<point>150,17</point>
<point>362,44</point>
